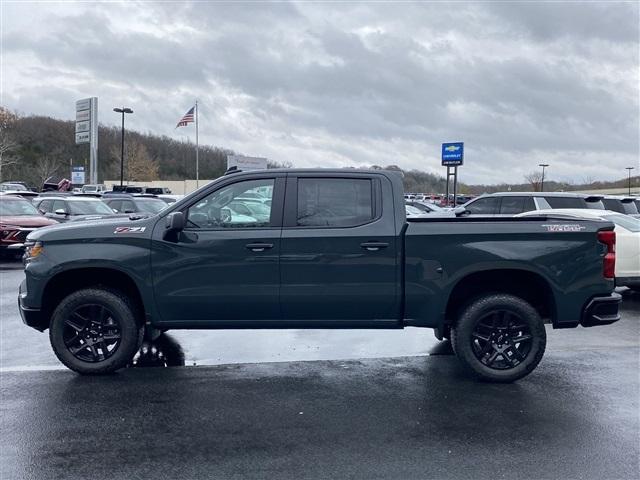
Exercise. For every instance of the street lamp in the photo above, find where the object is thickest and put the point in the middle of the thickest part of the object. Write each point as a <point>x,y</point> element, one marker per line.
<point>122,110</point>
<point>543,165</point>
<point>629,170</point>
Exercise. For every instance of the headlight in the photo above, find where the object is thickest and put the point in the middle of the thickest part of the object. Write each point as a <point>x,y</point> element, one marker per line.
<point>32,250</point>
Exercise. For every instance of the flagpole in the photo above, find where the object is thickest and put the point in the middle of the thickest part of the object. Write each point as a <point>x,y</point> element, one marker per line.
<point>197,164</point>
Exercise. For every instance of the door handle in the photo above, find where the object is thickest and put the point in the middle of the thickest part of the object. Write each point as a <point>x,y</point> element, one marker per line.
<point>259,247</point>
<point>374,246</point>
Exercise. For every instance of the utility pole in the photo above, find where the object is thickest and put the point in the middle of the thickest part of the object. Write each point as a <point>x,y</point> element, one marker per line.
<point>543,165</point>
<point>122,110</point>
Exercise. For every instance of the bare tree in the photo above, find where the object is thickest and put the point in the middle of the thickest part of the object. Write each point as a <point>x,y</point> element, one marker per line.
<point>8,144</point>
<point>140,167</point>
<point>535,180</point>
<point>46,166</point>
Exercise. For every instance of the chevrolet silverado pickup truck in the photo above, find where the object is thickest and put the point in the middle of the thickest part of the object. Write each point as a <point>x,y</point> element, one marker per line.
<point>335,250</point>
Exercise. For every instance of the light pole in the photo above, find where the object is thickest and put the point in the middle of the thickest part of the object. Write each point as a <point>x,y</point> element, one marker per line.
<point>629,170</point>
<point>543,165</point>
<point>122,110</point>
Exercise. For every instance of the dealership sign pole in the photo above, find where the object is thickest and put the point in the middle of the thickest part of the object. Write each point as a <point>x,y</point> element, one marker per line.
<point>87,132</point>
<point>452,156</point>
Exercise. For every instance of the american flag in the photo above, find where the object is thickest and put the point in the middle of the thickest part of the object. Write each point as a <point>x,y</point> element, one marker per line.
<point>186,119</point>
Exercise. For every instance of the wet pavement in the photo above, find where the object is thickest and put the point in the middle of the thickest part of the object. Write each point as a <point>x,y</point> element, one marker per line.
<point>352,413</point>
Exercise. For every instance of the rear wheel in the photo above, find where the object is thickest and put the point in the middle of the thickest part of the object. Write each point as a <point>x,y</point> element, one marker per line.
<point>94,331</point>
<point>500,338</point>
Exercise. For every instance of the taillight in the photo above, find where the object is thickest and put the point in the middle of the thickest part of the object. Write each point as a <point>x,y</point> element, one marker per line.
<point>609,263</point>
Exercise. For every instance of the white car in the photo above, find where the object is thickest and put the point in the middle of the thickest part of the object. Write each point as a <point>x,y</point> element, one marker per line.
<point>627,231</point>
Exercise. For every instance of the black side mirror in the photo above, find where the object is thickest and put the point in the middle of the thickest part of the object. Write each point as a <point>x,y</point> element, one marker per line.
<point>175,222</point>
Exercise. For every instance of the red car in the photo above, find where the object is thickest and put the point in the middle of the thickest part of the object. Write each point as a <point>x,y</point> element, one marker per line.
<point>18,218</point>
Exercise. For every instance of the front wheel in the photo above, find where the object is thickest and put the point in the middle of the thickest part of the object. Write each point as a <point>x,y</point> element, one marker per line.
<point>499,338</point>
<point>94,331</point>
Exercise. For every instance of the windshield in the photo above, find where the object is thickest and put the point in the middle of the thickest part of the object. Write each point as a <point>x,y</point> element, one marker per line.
<point>628,223</point>
<point>151,205</point>
<point>17,207</point>
<point>79,207</point>
<point>412,210</point>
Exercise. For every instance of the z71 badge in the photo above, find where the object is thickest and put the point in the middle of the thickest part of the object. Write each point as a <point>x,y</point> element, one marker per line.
<point>129,229</point>
<point>564,228</point>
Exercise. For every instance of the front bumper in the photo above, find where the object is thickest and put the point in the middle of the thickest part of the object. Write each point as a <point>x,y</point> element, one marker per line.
<point>31,317</point>
<point>601,311</point>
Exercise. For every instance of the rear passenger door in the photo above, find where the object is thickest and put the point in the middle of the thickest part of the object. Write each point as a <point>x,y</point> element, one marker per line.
<point>339,251</point>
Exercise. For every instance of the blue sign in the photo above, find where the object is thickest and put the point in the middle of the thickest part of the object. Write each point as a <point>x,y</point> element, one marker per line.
<point>452,154</point>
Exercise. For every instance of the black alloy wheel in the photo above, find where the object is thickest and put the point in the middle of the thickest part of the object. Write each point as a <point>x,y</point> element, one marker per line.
<point>501,340</point>
<point>91,333</point>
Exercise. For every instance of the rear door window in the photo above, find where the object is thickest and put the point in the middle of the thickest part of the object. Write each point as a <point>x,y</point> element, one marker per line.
<point>483,206</point>
<point>334,202</point>
<point>566,202</point>
<point>514,205</point>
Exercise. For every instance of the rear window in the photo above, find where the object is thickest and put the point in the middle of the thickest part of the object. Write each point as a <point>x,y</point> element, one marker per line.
<point>566,202</point>
<point>629,207</point>
<point>613,204</point>
<point>334,202</point>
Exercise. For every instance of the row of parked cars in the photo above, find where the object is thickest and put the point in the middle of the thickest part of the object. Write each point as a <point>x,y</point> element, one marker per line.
<point>22,211</point>
<point>623,211</point>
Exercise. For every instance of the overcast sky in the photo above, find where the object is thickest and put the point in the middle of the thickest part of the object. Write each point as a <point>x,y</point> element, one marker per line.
<point>348,84</point>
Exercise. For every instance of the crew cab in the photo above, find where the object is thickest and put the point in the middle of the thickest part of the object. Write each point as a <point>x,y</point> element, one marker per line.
<point>336,251</point>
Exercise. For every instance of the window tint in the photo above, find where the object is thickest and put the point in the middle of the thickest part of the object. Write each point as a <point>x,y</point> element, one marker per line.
<point>566,202</point>
<point>334,202</point>
<point>216,211</point>
<point>483,206</point>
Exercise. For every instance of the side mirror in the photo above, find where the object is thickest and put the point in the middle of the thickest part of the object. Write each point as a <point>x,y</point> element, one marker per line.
<point>60,211</point>
<point>175,222</point>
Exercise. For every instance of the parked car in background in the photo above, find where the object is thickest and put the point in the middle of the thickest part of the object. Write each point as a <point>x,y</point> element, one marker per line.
<point>621,204</point>
<point>125,203</point>
<point>170,199</point>
<point>100,188</point>
<point>424,206</point>
<point>157,191</point>
<point>18,218</point>
<point>72,208</point>
<point>627,228</point>
<point>507,204</point>
<point>17,188</point>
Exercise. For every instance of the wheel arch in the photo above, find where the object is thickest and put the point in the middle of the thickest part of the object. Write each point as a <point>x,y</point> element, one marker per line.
<point>71,280</point>
<point>530,286</point>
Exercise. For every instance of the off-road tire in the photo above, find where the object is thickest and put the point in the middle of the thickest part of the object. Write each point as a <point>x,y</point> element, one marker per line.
<point>467,347</point>
<point>121,309</point>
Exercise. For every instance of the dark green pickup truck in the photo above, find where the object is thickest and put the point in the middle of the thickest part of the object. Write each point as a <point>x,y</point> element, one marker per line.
<point>317,249</point>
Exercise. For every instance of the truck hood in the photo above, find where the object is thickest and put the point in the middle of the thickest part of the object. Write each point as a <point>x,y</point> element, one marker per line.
<point>26,220</point>
<point>99,229</point>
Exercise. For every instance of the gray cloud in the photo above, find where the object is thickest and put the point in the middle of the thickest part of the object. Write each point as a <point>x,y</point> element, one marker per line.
<point>354,83</point>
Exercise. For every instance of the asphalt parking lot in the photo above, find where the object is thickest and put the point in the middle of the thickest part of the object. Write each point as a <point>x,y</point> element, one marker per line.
<point>320,404</point>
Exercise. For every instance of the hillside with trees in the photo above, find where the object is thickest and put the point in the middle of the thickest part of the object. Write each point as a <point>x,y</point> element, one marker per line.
<point>33,148</point>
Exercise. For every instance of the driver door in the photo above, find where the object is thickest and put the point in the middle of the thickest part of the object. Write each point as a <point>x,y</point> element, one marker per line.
<point>223,268</point>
